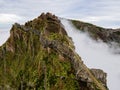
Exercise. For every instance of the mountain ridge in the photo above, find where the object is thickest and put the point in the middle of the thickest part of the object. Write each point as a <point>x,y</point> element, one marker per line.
<point>107,35</point>
<point>40,55</point>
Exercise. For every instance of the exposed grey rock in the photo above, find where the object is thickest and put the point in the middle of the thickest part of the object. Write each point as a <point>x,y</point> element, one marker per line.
<point>83,74</point>
<point>100,75</point>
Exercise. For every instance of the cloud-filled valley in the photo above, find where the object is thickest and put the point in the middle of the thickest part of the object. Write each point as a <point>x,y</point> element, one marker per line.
<point>96,55</point>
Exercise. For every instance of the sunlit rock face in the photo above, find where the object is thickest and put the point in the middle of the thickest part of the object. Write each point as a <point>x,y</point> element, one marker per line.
<point>41,55</point>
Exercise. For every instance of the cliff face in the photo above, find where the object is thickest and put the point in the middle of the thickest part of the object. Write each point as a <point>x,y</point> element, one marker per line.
<point>40,55</point>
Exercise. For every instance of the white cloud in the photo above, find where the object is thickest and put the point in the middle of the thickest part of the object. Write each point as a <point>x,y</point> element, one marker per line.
<point>8,18</point>
<point>4,36</point>
<point>105,13</point>
<point>96,55</point>
<point>94,11</point>
<point>104,21</point>
<point>101,12</point>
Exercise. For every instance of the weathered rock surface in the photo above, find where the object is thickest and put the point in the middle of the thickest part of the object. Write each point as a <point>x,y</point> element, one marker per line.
<point>100,75</point>
<point>40,55</point>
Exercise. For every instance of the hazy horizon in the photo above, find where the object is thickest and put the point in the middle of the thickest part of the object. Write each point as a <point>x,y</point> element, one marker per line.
<point>104,13</point>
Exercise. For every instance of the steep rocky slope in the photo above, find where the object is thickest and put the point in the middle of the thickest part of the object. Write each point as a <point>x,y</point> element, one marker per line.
<point>40,56</point>
<point>99,33</point>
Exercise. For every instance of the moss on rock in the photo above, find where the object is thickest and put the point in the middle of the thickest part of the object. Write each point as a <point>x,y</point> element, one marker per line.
<point>40,56</point>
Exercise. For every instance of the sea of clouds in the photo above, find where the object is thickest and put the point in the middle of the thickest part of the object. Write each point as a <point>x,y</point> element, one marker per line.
<point>96,54</point>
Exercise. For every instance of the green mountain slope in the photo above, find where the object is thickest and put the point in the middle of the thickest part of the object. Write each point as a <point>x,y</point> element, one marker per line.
<point>98,33</point>
<point>40,56</point>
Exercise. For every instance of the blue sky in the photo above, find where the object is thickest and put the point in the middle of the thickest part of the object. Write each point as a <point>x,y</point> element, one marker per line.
<point>104,13</point>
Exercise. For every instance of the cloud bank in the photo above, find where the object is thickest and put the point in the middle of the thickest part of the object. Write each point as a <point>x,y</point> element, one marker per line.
<point>8,18</point>
<point>101,12</point>
<point>96,55</point>
<point>5,35</point>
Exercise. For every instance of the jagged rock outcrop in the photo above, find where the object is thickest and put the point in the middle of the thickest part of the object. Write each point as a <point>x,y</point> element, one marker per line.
<point>40,55</point>
<point>100,75</point>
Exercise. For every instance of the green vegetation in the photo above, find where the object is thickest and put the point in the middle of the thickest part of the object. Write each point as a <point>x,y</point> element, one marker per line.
<point>44,70</point>
<point>80,24</point>
<point>30,66</point>
<point>94,31</point>
<point>28,63</point>
<point>58,37</point>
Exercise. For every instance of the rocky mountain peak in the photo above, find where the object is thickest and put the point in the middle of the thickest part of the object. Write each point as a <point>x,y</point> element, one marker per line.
<point>40,55</point>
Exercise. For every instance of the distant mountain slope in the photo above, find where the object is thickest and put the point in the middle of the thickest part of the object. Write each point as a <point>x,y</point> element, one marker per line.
<point>96,32</point>
<point>40,56</point>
